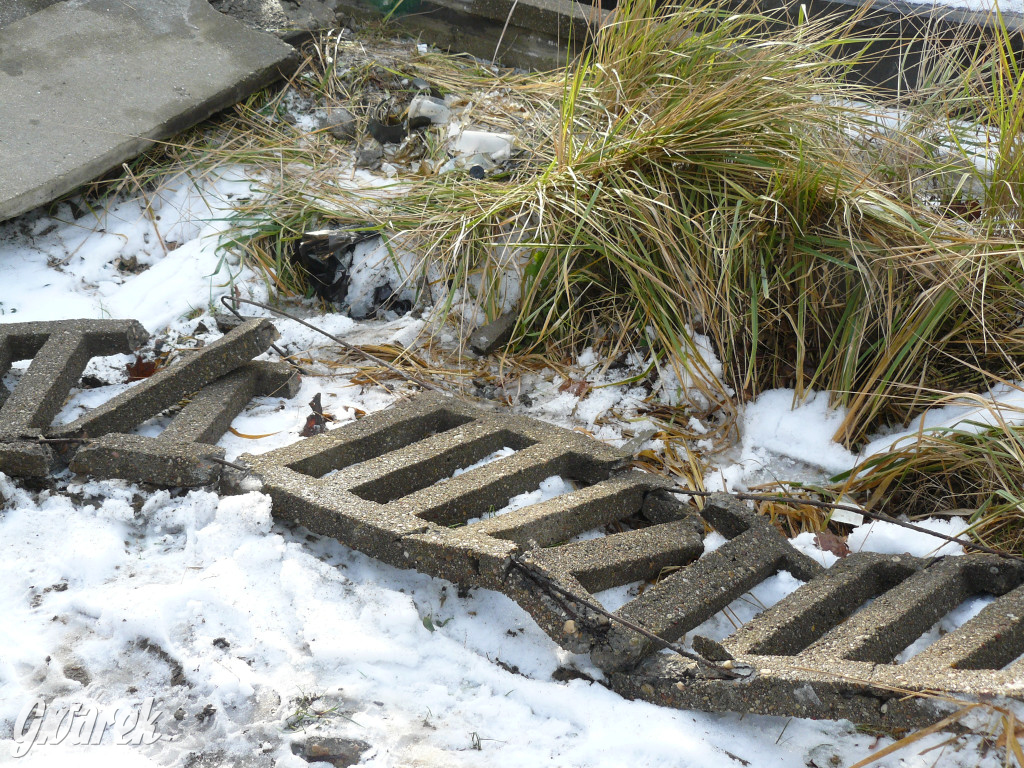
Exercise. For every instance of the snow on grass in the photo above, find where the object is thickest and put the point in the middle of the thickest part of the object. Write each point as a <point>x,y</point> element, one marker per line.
<point>890,539</point>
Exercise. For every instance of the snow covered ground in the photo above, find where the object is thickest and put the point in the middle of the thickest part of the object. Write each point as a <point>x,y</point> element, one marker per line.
<point>249,635</point>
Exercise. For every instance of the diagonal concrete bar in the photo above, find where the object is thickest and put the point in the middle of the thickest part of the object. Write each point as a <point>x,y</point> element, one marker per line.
<point>59,351</point>
<point>180,455</point>
<point>167,387</point>
<point>684,599</point>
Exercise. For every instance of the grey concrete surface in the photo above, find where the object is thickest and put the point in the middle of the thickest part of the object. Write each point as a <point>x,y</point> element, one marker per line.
<point>88,84</point>
<point>12,10</point>
<point>181,454</point>
<point>59,351</point>
<point>167,387</point>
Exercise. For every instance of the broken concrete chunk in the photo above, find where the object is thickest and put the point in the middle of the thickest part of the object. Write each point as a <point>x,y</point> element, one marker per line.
<point>377,483</point>
<point>341,124</point>
<point>183,454</point>
<point>495,334</point>
<point>26,459</point>
<point>59,350</point>
<point>832,648</point>
<point>168,386</point>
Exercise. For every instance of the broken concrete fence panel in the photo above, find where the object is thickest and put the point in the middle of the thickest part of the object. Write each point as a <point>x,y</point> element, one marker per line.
<point>792,625</point>
<point>209,413</point>
<point>832,648</point>
<point>386,485</point>
<point>59,351</point>
<point>167,387</point>
<point>379,482</point>
<point>583,568</point>
<point>180,455</point>
<point>559,519</point>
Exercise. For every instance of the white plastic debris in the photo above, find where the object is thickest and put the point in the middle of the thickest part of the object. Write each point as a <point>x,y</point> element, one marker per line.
<point>497,146</point>
<point>433,109</point>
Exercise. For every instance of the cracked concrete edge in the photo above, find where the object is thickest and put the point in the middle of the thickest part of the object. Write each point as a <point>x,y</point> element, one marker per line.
<point>181,455</point>
<point>168,386</point>
<point>59,352</point>
<point>672,681</point>
<point>149,460</point>
<point>26,459</point>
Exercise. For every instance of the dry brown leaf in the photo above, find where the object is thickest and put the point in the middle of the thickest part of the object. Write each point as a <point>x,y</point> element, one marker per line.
<point>141,369</point>
<point>830,542</point>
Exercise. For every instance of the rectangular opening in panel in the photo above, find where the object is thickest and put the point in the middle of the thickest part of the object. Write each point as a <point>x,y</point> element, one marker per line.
<point>374,444</point>
<point>832,608</point>
<point>550,488</point>
<point>432,470</point>
<point>746,607</point>
<point>956,618</point>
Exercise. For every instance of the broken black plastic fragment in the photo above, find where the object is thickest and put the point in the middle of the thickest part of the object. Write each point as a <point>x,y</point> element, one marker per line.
<point>326,256</point>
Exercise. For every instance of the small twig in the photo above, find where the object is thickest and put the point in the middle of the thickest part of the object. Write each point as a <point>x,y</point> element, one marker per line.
<point>850,508</point>
<point>283,355</point>
<point>344,344</point>
<point>233,465</point>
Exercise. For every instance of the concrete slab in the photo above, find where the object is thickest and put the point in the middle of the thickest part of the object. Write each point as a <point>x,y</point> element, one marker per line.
<point>88,84</point>
<point>12,10</point>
